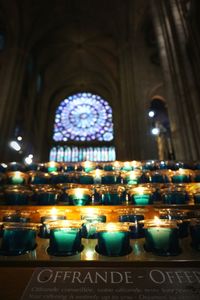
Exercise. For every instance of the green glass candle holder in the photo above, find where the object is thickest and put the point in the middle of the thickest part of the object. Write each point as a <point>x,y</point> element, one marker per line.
<point>52,166</point>
<point>141,195</point>
<point>182,176</point>
<point>112,195</point>
<point>65,238</point>
<point>85,178</point>
<point>132,177</point>
<point>126,166</point>
<point>88,166</point>
<point>46,195</point>
<point>162,238</point>
<point>111,178</point>
<point>113,239</point>
<point>160,176</point>
<point>18,238</point>
<point>175,195</point>
<point>79,196</point>
<point>16,178</point>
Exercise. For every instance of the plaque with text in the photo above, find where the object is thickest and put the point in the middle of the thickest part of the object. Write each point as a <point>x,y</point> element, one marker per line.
<point>114,284</point>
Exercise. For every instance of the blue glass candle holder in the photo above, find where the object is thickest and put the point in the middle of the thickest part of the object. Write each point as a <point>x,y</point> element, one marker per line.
<point>15,195</point>
<point>113,195</point>
<point>126,166</point>
<point>67,167</point>
<point>65,238</point>
<point>46,195</point>
<point>108,167</point>
<point>52,166</point>
<point>175,196</point>
<point>159,177</point>
<point>88,166</point>
<point>113,239</point>
<point>18,238</point>
<point>79,196</point>
<point>88,228</point>
<point>136,230</point>
<point>181,217</point>
<point>195,234</point>
<point>162,238</point>
<point>37,177</point>
<point>17,177</point>
<point>141,195</point>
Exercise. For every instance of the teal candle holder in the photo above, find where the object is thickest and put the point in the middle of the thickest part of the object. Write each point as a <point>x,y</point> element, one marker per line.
<point>46,195</point>
<point>16,178</point>
<point>52,166</point>
<point>88,166</point>
<point>79,196</point>
<point>175,196</point>
<point>159,177</point>
<point>113,195</point>
<point>195,234</point>
<point>65,238</point>
<point>15,217</point>
<point>136,230</point>
<point>111,178</point>
<point>182,176</point>
<point>162,238</point>
<point>86,178</point>
<point>58,177</point>
<point>15,166</point>
<point>113,239</point>
<point>141,196</point>
<point>18,238</point>
<point>132,177</point>
<point>15,195</point>
<point>126,166</point>
<point>88,229</point>
<point>37,177</point>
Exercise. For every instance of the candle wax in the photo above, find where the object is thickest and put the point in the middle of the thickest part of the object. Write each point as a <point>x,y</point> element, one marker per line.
<point>111,199</point>
<point>115,243</point>
<point>65,241</point>
<point>142,199</point>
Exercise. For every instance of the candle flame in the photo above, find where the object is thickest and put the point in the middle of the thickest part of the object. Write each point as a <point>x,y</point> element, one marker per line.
<point>87,164</point>
<point>126,164</point>
<point>140,190</point>
<point>78,193</point>
<point>17,174</point>
<point>157,221</point>
<point>54,213</point>
<point>132,175</point>
<point>111,227</point>
<point>52,164</point>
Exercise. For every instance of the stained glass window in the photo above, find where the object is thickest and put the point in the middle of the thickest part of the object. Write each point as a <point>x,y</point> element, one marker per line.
<point>83,117</point>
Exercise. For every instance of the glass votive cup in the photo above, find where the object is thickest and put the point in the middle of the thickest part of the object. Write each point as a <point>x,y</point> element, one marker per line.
<point>180,216</point>
<point>46,195</point>
<point>58,178</point>
<point>161,237</point>
<point>16,195</point>
<point>108,167</point>
<point>126,166</point>
<point>79,196</point>
<point>52,166</point>
<point>86,178</point>
<point>16,216</point>
<point>175,195</point>
<point>65,237</point>
<point>181,176</point>
<point>111,177</point>
<point>16,177</point>
<point>112,195</point>
<point>159,176</point>
<point>88,166</point>
<point>113,239</point>
<point>195,233</point>
<point>141,195</point>
<point>97,176</point>
<point>88,228</point>
<point>68,167</point>
<point>132,177</point>
<point>136,230</point>
<point>18,238</point>
<point>37,177</point>
<point>52,214</point>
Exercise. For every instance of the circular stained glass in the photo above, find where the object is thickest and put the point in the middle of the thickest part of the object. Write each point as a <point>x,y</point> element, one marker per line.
<point>83,117</point>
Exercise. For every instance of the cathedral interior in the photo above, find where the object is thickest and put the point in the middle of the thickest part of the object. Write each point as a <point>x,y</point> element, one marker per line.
<point>130,53</point>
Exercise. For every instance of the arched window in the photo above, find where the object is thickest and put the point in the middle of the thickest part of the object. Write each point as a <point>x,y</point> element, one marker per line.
<point>83,118</point>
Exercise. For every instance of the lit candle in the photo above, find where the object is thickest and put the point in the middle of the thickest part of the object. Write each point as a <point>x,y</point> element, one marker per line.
<point>65,238</point>
<point>97,176</point>
<point>113,239</point>
<point>195,233</point>
<point>79,196</point>
<point>181,176</point>
<point>52,166</point>
<point>161,237</point>
<point>16,178</point>
<point>126,166</point>
<point>141,195</point>
<point>18,238</point>
<point>132,177</point>
<point>88,166</point>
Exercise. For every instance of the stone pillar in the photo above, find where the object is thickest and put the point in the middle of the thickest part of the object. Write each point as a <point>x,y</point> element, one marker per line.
<point>182,99</point>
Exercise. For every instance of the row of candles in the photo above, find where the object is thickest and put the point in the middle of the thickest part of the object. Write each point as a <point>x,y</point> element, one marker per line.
<point>100,177</point>
<point>77,195</point>
<point>161,235</point>
<point>89,166</point>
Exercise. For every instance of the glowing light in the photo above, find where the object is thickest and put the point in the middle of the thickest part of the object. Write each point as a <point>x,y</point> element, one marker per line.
<point>157,221</point>
<point>15,145</point>
<point>54,213</point>
<point>19,138</point>
<point>155,131</point>
<point>89,254</point>
<point>111,227</point>
<point>151,113</point>
<point>28,160</point>
<point>78,193</point>
<point>139,190</point>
